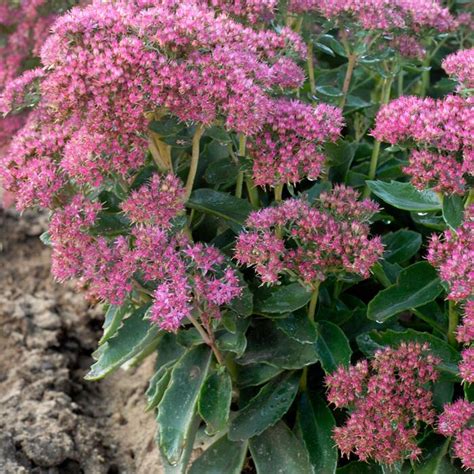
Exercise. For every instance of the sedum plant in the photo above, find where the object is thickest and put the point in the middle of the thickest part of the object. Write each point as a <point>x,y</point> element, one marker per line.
<point>274,201</point>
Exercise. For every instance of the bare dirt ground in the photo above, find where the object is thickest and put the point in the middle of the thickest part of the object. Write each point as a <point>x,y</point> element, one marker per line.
<point>51,420</point>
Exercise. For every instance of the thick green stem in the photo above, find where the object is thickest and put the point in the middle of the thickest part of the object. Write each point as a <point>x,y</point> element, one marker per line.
<point>374,159</point>
<point>240,176</point>
<point>194,160</point>
<point>310,63</point>
<point>311,313</point>
<point>313,302</point>
<point>253,193</point>
<point>279,192</point>
<point>453,323</point>
<point>470,198</point>
<point>351,62</point>
<point>208,339</point>
<point>400,84</point>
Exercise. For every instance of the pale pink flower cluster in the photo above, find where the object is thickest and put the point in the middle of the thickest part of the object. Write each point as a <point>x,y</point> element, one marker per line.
<point>460,65</point>
<point>310,242</point>
<point>288,148</point>
<point>388,399</point>
<point>453,256</point>
<point>456,420</point>
<point>442,129</point>
<point>180,276</point>
<point>385,15</point>
<point>111,64</point>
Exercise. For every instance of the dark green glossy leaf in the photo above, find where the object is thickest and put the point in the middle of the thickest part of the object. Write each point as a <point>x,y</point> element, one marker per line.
<point>401,245</point>
<point>266,408</point>
<point>266,344</point>
<point>323,48</point>
<point>374,340</point>
<point>177,407</point>
<point>278,448</point>
<point>281,299</point>
<point>243,305</point>
<point>329,91</point>
<point>214,401</point>
<point>359,467</point>
<point>222,457</point>
<point>299,327</point>
<point>436,461</point>
<point>252,375</point>
<point>417,285</point>
<point>167,127</point>
<point>453,210</point>
<point>132,338</point>
<point>218,134</point>
<point>405,196</point>
<point>429,220</point>
<point>316,424</point>
<point>220,204</point>
<point>158,385</point>
<point>113,319</point>
<point>333,43</point>
<point>221,172</point>
<point>332,346</point>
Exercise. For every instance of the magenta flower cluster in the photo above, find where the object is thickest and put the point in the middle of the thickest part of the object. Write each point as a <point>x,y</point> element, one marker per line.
<point>453,255</point>
<point>287,149</point>
<point>443,132</point>
<point>460,65</point>
<point>179,276</point>
<point>111,65</point>
<point>383,15</point>
<point>307,241</point>
<point>388,399</point>
<point>457,420</point>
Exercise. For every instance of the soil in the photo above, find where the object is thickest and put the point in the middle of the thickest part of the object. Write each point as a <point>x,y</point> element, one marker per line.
<point>51,420</point>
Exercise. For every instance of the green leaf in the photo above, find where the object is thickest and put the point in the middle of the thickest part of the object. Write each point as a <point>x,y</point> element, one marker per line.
<point>132,338</point>
<point>168,352</point>
<point>214,401</point>
<point>218,134</point>
<point>405,196</point>
<point>299,327</point>
<point>333,43</point>
<point>221,172</point>
<point>417,285</point>
<point>167,127</point>
<point>220,204</point>
<point>316,423</point>
<point>359,467</point>
<point>113,319</point>
<point>323,48</point>
<point>266,408</point>
<point>429,219</point>
<point>177,408</point>
<point>243,305</point>
<point>252,375</point>
<point>332,346</point>
<point>374,340</point>
<point>222,457</point>
<point>401,245</point>
<point>278,448</point>
<point>266,344</point>
<point>453,211</point>
<point>436,462</point>
<point>281,299</point>
<point>329,91</point>
<point>45,238</point>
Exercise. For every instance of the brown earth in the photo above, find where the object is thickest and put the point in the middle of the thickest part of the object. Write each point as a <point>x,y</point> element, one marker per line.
<point>51,420</point>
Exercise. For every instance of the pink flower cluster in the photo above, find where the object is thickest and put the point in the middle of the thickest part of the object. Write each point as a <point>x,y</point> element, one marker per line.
<point>180,276</point>
<point>112,64</point>
<point>388,400</point>
<point>385,15</point>
<point>23,28</point>
<point>457,420</point>
<point>443,130</point>
<point>309,242</point>
<point>453,256</point>
<point>253,10</point>
<point>461,66</point>
<point>286,149</point>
